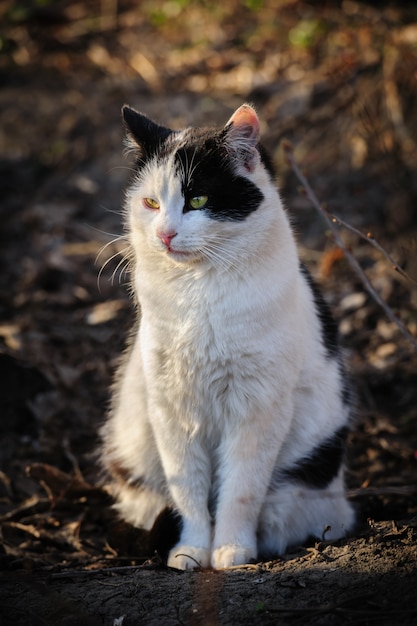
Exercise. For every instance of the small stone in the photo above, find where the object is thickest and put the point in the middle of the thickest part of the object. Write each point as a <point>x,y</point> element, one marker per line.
<point>353,301</point>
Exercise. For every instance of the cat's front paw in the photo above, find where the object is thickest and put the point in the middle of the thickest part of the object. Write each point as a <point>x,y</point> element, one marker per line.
<point>230,554</point>
<point>188,557</point>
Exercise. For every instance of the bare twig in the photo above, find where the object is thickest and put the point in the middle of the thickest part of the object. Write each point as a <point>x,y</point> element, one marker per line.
<point>371,239</point>
<point>326,530</point>
<point>199,566</point>
<point>349,256</point>
<point>83,573</point>
<point>245,566</point>
<point>399,490</point>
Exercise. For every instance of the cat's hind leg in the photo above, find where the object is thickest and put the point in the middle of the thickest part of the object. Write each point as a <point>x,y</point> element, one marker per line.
<point>293,513</point>
<point>129,454</point>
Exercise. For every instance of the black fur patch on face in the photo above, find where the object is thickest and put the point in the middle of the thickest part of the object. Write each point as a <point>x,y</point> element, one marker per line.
<point>207,170</point>
<point>323,464</point>
<point>329,329</point>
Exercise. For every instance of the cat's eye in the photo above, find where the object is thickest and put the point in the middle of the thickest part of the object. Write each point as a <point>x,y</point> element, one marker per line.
<point>198,202</point>
<point>150,203</point>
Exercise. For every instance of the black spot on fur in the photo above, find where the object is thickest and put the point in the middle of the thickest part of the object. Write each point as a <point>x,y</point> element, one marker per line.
<point>323,464</point>
<point>329,329</point>
<point>206,170</point>
<point>347,395</point>
<point>165,532</point>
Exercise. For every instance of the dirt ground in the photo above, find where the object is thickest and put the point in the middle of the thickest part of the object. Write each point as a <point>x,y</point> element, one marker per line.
<point>339,81</point>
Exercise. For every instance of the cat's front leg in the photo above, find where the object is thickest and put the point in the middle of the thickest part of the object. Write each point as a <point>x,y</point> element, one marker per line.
<point>185,555</point>
<point>187,470</point>
<point>194,547</point>
<point>249,455</point>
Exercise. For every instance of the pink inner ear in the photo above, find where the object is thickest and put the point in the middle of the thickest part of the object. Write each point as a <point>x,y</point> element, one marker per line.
<point>246,120</point>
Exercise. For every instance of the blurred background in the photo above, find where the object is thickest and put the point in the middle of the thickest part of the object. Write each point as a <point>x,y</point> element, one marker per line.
<point>336,79</point>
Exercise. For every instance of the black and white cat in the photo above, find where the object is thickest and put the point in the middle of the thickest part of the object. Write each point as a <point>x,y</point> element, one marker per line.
<point>231,406</point>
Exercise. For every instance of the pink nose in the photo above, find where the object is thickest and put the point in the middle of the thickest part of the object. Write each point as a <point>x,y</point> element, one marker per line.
<point>166,237</point>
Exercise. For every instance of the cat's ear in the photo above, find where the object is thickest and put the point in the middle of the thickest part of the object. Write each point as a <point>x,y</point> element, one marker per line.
<point>144,136</point>
<point>242,136</point>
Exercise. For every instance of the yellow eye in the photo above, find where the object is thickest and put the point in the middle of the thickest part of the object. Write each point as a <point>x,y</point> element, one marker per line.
<point>198,202</point>
<point>150,203</point>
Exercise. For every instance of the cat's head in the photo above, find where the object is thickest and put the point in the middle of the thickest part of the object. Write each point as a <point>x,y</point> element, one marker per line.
<point>198,192</point>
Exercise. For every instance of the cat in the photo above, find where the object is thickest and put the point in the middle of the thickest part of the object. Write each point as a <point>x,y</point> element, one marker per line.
<point>231,405</point>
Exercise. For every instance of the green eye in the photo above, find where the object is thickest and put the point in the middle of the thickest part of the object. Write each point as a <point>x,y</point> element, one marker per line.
<point>150,203</point>
<point>198,202</point>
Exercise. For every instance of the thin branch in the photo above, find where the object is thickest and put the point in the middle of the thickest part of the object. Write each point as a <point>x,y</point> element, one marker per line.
<point>399,490</point>
<point>124,569</point>
<point>353,262</point>
<point>371,239</point>
<point>245,566</point>
<point>199,566</point>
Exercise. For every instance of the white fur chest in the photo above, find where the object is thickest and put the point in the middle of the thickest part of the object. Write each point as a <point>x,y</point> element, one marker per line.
<point>212,348</point>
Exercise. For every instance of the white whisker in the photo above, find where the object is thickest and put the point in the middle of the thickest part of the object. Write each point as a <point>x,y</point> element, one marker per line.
<point>100,230</point>
<point>121,167</point>
<point>225,257</point>
<point>186,177</point>
<point>109,243</point>
<point>126,260</point>
<point>182,168</point>
<point>127,256</point>
<point>192,167</point>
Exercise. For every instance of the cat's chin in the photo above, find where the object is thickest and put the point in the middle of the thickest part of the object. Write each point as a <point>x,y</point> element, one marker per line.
<point>181,256</point>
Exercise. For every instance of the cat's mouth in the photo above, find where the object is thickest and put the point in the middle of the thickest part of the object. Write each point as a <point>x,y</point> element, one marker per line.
<point>178,254</point>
